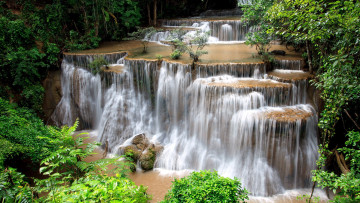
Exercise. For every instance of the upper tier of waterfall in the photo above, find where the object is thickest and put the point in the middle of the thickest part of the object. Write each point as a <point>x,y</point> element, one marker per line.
<point>222,30</point>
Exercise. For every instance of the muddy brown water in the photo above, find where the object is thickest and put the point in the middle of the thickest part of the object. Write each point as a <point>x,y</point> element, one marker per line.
<point>217,53</point>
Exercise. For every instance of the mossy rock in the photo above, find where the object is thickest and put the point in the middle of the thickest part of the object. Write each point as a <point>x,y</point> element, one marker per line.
<point>147,160</point>
<point>132,152</point>
<point>141,141</point>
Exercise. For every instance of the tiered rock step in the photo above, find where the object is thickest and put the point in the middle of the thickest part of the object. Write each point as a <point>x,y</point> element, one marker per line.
<point>293,64</point>
<point>287,114</point>
<point>223,28</point>
<point>84,59</point>
<point>274,93</point>
<point>256,70</point>
<point>249,83</point>
<point>289,75</point>
<point>115,68</point>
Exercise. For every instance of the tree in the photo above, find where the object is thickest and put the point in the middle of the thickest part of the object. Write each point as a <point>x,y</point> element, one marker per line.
<point>143,35</point>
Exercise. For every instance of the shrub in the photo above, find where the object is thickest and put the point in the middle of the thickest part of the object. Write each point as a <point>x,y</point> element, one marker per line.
<point>26,134</point>
<point>101,188</point>
<point>206,186</point>
<point>175,54</point>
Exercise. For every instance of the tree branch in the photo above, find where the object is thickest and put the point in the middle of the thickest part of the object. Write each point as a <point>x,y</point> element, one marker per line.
<point>347,113</point>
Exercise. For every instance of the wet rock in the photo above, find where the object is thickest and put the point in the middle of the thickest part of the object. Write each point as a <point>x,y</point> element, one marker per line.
<point>141,141</point>
<point>53,93</point>
<point>147,159</point>
<point>132,152</point>
<point>278,52</point>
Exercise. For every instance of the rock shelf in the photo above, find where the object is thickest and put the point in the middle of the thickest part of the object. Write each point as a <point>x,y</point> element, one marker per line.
<point>288,114</point>
<point>289,76</point>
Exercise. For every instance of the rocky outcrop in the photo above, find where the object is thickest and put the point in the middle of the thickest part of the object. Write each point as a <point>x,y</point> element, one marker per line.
<point>53,93</point>
<point>143,151</point>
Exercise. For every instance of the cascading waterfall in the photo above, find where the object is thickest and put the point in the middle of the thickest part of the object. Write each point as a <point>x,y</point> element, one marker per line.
<point>226,33</point>
<point>220,30</point>
<point>226,117</point>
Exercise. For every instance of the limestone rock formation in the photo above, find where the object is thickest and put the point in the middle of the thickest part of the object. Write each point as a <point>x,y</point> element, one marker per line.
<point>143,151</point>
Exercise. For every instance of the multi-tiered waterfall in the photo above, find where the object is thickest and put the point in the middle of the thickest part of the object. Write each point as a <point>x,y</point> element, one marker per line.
<point>235,118</point>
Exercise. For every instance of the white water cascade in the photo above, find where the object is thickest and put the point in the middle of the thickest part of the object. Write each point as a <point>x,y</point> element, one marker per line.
<point>232,118</point>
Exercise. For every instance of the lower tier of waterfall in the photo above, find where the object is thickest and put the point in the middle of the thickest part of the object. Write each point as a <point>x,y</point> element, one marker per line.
<point>233,118</point>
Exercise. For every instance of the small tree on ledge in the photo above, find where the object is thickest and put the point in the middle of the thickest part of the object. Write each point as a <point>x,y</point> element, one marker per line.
<point>143,35</point>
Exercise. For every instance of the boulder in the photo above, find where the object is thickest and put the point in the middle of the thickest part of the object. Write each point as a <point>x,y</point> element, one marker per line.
<point>147,159</point>
<point>141,141</point>
<point>132,152</point>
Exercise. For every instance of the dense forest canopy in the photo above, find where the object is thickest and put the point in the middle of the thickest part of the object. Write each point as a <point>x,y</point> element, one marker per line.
<point>34,34</point>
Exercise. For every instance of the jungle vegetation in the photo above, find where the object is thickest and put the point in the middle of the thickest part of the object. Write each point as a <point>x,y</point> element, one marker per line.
<point>329,34</point>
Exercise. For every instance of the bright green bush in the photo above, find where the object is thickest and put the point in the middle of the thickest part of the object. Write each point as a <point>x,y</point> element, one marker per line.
<point>101,188</point>
<point>206,186</point>
<point>175,54</point>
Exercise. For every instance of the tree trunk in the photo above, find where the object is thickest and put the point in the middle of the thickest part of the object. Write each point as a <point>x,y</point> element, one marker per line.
<point>149,13</point>
<point>155,11</point>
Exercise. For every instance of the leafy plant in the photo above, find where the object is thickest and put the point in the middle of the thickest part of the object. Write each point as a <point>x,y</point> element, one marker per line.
<point>175,54</point>
<point>206,186</point>
<point>347,183</point>
<point>26,135</point>
<point>13,188</point>
<point>101,188</point>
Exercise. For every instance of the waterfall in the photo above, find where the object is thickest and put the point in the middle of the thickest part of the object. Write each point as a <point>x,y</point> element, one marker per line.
<point>220,30</point>
<point>234,118</point>
<point>226,33</point>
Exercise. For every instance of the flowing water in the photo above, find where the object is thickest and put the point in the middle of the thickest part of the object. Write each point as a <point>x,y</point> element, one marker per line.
<point>235,118</point>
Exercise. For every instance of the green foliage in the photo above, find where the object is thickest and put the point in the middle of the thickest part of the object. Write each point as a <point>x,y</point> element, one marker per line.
<point>143,35</point>
<point>254,15</point>
<point>175,54</point>
<point>101,188</point>
<point>329,31</point>
<point>260,39</point>
<point>22,65</point>
<point>23,135</point>
<point>98,64</point>
<point>13,188</point>
<point>72,179</point>
<point>206,186</point>
<point>349,183</point>
<point>87,41</point>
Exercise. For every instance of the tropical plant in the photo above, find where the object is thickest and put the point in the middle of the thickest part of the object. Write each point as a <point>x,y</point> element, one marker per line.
<point>206,186</point>
<point>13,188</point>
<point>23,136</point>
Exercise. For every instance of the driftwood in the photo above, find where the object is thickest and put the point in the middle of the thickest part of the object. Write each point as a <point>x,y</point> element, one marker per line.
<point>106,149</point>
<point>341,163</point>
